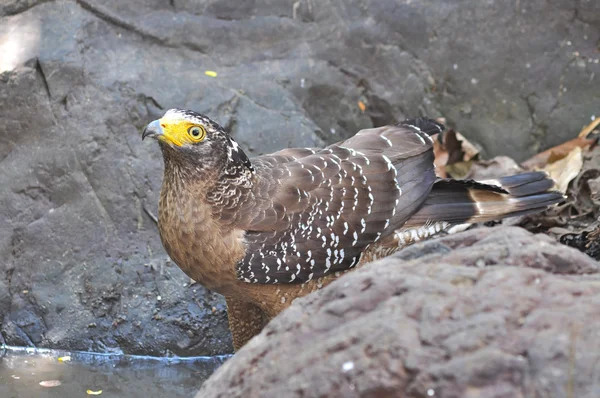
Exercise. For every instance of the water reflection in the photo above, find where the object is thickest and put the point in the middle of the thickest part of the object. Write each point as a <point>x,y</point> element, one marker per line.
<point>22,370</point>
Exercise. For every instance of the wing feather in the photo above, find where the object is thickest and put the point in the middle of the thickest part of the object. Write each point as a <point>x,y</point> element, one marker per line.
<point>314,211</point>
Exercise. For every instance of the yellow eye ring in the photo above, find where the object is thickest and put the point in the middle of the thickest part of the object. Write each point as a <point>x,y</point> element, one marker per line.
<point>197,133</point>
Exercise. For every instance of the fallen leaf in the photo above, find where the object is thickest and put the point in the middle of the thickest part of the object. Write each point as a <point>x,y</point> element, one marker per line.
<point>440,159</point>
<point>563,171</point>
<point>453,154</point>
<point>470,151</point>
<point>553,154</point>
<point>589,128</point>
<point>584,191</point>
<point>50,383</point>
<point>459,170</point>
<point>90,392</point>
<point>210,73</point>
<point>362,106</point>
<point>542,159</point>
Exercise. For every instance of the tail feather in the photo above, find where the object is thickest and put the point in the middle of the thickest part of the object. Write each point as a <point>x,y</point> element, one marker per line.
<point>523,184</point>
<point>458,202</point>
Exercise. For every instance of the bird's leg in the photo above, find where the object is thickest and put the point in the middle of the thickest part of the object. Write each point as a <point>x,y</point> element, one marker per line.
<point>246,320</point>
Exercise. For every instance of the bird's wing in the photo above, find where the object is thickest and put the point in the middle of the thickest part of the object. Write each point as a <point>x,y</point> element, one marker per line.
<point>314,211</point>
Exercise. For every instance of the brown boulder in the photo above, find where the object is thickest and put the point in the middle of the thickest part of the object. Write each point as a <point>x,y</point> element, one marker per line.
<point>491,312</point>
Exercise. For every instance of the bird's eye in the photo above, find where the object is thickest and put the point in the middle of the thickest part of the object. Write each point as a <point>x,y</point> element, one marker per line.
<point>197,133</point>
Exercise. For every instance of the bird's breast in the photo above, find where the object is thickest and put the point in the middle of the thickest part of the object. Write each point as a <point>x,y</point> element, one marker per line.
<point>196,242</point>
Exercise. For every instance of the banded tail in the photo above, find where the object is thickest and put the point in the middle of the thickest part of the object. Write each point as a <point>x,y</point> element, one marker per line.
<point>459,202</point>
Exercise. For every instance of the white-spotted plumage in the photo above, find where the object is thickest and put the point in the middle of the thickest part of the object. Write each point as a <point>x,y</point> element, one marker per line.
<point>406,236</point>
<point>337,201</point>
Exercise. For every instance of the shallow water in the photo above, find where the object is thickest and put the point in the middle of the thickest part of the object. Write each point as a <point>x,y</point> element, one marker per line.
<point>22,370</point>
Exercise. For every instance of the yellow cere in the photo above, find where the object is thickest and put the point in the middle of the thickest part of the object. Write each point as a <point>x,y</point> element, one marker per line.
<point>210,73</point>
<point>90,392</point>
<point>178,132</point>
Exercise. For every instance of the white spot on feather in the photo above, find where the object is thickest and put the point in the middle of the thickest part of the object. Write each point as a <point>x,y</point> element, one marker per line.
<point>420,138</point>
<point>389,163</point>
<point>387,140</point>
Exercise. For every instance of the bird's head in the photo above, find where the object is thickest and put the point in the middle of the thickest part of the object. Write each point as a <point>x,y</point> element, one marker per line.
<point>194,140</point>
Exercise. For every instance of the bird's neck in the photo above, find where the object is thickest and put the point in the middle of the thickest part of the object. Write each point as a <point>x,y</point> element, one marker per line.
<point>225,187</point>
<point>181,171</point>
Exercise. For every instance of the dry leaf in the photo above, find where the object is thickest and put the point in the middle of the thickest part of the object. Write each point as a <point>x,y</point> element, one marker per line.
<point>589,128</point>
<point>440,158</point>
<point>566,169</point>
<point>459,170</point>
<point>452,149</point>
<point>50,383</point>
<point>560,151</point>
<point>470,151</point>
<point>541,160</point>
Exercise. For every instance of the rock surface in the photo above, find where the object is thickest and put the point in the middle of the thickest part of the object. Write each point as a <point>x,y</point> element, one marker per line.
<point>491,312</point>
<point>80,78</point>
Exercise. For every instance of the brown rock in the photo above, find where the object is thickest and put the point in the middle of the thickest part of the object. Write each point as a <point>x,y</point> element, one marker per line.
<point>483,313</point>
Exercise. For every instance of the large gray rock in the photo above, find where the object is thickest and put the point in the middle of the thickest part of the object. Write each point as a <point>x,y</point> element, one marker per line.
<point>79,79</point>
<point>493,312</point>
